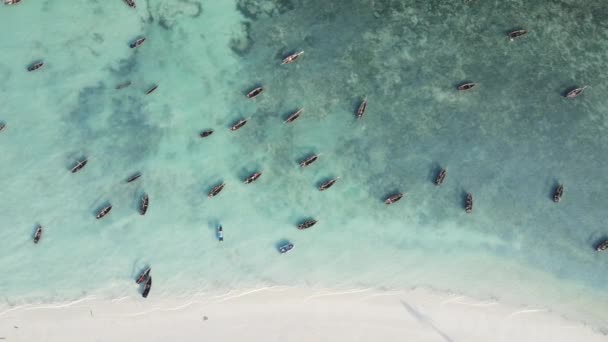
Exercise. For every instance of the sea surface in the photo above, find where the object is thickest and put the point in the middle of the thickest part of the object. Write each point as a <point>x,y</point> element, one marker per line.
<point>509,142</point>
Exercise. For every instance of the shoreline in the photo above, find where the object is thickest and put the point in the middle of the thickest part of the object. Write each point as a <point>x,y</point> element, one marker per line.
<point>281,313</point>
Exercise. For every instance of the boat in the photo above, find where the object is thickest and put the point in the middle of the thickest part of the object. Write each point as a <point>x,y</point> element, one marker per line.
<point>2,125</point>
<point>103,212</point>
<point>309,160</point>
<point>466,86</point>
<point>131,3</point>
<point>11,2</point>
<point>292,58</point>
<point>468,204</point>
<point>293,116</point>
<point>255,92</point>
<point>149,91</point>
<point>147,288</point>
<point>602,246</point>
<point>252,178</point>
<point>134,177</point>
<point>557,194</point>
<point>137,43</point>
<point>362,108</point>
<point>79,165</point>
<point>220,233</point>
<point>328,184</point>
<point>575,92</point>
<point>441,177</point>
<point>143,206</point>
<point>216,190</point>
<point>35,66</point>
<point>38,234</point>
<point>123,85</point>
<point>516,34</point>
<point>393,198</point>
<point>238,124</point>
<point>143,275</point>
<point>205,134</point>
<point>286,248</point>
<point>307,224</point>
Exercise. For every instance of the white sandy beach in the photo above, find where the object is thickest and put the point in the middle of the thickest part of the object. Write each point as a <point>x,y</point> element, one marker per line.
<point>282,314</point>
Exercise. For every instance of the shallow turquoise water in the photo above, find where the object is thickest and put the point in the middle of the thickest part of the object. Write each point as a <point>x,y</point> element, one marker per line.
<point>508,142</point>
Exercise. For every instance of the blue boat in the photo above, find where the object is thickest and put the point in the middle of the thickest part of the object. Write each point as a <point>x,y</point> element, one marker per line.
<point>286,248</point>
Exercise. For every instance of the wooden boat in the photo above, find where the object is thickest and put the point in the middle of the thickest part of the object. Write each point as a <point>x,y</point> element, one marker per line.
<point>255,92</point>
<point>130,3</point>
<point>103,212</point>
<point>516,34</point>
<point>466,86</point>
<point>309,160</point>
<point>468,204</point>
<point>35,66</point>
<point>220,233</point>
<point>293,116</point>
<point>328,184</point>
<point>441,177</point>
<point>134,177</point>
<point>143,275</point>
<point>558,193</point>
<point>149,91</point>
<point>602,246</point>
<point>147,288</point>
<point>137,43</point>
<point>292,58</point>
<point>362,108</point>
<point>393,198</point>
<point>238,124</point>
<point>216,190</point>
<point>575,92</point>
<point>143,206</point>
<point>11,2</point>
<point>252,178</point>
<point>205,134</point>
<point>307,224</point>
<point>38,234</point>
<point>2,125</point>
<point>286,248</point>
<point>79,165</point>
<point>123,85</point>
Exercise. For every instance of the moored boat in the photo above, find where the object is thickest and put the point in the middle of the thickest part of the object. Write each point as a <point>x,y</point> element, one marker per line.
<point>294,116</point>
<point>2,125</point>
<point>286,248</point>
<point>252,178</point>
<point>441,177</point>
<point>143,276</point>
<point>468,204</point>
<point>137,42</point>
<point>38,234</point>
<point>307,224</point>
<point>35,66</point>
<point>220,233</point>
<point>216,190</point>
<point>123,85</point>
<point>362,108</point>
<point>147,288</point>
<point>206,133</point>
<point>130,3</point>
<point>309,160</point>
<point>292,58</point>
<point>558,193</point>
<point>238,124</point>
<point>467,86</point>
<point>602,246</point>
<point>255,92</point>
<point>393,198</point>
<point>575,92</point>
<point>143,206</point>
<point>153,88</point>
<point>11,2</point>
<point>134,177</point>
<point>516,34</point>
<point>103,212</point>
<point>328,184</point>
<point>79,165</point>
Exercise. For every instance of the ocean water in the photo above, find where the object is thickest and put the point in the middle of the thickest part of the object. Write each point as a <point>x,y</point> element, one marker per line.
<point>509,142</point>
